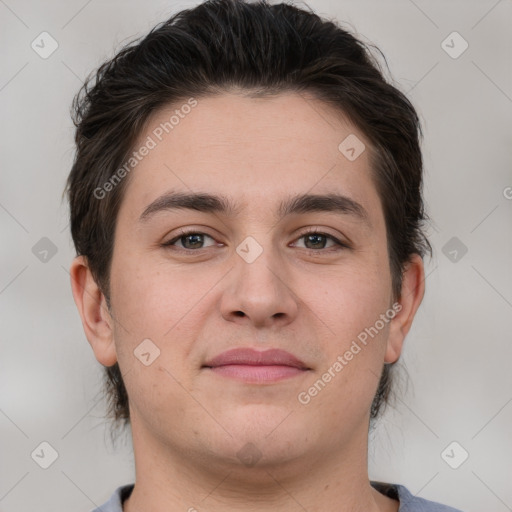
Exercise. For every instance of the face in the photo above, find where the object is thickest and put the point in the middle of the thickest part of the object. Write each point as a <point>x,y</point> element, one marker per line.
<point>252,277</point>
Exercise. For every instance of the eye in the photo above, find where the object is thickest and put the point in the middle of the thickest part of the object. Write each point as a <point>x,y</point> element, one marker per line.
<point>314,241</point>
<point>189,240</point>
<point>317,241</point>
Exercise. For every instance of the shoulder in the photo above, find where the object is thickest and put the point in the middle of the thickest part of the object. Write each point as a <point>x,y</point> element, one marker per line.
<point>115,503</point>
<point>409,502</point>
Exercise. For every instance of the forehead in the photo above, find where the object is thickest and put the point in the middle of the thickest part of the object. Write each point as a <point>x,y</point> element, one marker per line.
<point>253,149</point>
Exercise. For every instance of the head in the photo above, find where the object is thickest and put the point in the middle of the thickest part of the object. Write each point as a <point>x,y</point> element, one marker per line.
<point>252,102</point>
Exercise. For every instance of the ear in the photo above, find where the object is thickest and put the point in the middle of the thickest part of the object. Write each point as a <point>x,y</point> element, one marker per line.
<point>413,289</point>
<point>92,306</point>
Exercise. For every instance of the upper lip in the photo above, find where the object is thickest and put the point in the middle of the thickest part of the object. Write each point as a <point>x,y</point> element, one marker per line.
<point>248,356</point>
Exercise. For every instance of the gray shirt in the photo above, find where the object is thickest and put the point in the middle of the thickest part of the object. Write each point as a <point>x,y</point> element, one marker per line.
<point>408,502</point>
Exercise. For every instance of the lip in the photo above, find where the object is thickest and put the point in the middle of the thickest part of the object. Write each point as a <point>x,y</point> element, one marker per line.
<point>256,366</point>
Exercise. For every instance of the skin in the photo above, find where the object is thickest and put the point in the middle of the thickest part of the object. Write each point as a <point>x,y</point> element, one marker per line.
<point>189,424</point>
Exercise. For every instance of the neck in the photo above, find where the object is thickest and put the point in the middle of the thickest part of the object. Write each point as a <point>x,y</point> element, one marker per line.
<point>172,480</point>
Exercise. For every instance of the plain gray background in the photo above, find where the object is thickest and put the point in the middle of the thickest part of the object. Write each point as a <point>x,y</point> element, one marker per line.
<point>459,352</point>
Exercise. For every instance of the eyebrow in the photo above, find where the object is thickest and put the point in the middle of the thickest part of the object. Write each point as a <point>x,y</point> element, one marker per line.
<point>298,204</point>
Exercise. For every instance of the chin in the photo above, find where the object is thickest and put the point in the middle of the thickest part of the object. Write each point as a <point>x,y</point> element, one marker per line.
<point>263,438</point>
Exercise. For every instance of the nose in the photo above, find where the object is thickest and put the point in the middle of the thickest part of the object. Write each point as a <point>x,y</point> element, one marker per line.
<point>259,291</point>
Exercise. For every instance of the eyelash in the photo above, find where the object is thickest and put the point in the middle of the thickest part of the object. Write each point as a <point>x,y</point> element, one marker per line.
<point>183,233</point>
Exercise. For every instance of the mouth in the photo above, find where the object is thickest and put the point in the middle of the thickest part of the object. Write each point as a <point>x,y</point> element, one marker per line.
<point>253,366</point>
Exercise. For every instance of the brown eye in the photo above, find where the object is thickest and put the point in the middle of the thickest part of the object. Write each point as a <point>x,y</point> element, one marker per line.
<point>191,240</point>
<point>315,240</point>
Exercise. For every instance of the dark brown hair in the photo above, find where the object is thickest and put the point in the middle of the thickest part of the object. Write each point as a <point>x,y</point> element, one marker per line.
<point>259,49</point>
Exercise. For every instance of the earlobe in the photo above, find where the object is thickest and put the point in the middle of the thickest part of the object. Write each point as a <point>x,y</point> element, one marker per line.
<point>413,290</point>
<point>96,319</point>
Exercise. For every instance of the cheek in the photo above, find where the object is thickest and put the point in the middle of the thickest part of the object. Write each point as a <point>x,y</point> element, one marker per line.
<point>351,306</point>
<point>153,389</point>
<point>351,299</point>
<point>167,306</point>
<point>150,304</point>
<point>147,298</point>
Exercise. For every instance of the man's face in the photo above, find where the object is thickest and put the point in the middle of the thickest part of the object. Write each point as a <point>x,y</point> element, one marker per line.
<point>251,280</point>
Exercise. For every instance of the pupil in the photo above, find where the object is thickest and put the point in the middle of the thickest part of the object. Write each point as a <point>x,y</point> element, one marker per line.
<point>315,239</point>
<point>192,237</point>
<point>310,237</point>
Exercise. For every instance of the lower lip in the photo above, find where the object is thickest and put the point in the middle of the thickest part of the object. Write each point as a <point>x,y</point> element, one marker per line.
<point>257,373</point>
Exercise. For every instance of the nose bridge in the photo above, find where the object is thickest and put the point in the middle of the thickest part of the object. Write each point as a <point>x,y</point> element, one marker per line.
<point>258,264</point>
<point>259,289</point>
